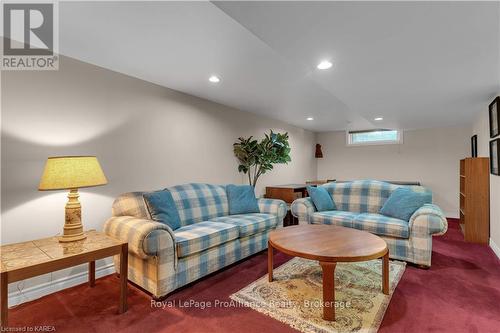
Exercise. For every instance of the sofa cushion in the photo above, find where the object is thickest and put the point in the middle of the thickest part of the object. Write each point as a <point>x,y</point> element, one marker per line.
<point>382,225</point>
<point>403,202</point>
<point>200,236</point>
<point>334,217</point>
<point>250,224</point>
<point>199,202</point>
<point>241,199</point>
<point>162,208</point>
<point>321,199</point>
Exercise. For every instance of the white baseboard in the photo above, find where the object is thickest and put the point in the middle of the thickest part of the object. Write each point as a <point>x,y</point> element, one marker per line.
<point>32,293</point>
<point>495,248</point>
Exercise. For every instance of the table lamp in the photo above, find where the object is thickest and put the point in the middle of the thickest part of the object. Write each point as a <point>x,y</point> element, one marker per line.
<point>72,172</point>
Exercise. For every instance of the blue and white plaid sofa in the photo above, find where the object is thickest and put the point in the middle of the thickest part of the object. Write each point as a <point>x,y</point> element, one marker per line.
<point>162,260</point>
<point>358,203</point>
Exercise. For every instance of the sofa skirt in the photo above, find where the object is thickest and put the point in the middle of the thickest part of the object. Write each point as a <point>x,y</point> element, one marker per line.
<point>160,275</point>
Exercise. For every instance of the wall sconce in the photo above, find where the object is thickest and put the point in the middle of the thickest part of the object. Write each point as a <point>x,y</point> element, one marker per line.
<point>318,153</point>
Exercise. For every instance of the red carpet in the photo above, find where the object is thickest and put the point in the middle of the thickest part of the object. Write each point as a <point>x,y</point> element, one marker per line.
<point>460,293</point>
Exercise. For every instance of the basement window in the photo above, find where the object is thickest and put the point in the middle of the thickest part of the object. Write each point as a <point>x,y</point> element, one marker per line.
<point>374,137</point>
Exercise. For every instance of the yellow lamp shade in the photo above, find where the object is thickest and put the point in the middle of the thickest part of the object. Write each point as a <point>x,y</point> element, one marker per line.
<point>71,172</point>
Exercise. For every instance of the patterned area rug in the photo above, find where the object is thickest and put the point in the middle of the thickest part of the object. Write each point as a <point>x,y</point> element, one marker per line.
<point>295,296</point>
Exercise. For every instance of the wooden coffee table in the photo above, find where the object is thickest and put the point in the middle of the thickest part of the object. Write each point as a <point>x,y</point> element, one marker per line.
<point>329,244</point>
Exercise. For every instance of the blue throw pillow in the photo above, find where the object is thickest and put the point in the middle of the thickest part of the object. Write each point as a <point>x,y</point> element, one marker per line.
<point>162,208</point>
<point>403,202</point>
<point>241,199</point>
<point>321,198</point>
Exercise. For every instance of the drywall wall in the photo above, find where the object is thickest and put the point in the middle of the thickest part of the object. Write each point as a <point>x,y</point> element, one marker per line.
<point>430,156</point>
<point>146,137</point>
<point>481,129</point>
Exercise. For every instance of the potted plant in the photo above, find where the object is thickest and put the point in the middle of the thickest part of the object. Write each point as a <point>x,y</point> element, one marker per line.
<point>256,158</point>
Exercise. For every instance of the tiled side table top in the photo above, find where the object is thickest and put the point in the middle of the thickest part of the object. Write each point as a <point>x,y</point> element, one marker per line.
<point>20,255</point>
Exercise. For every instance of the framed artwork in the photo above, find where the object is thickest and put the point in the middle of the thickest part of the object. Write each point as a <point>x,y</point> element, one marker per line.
<point>495,117</point>
<point>473,144</point>
<point>494,156</point>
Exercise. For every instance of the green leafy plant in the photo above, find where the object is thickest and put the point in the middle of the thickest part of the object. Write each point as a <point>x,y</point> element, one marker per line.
<point>256,158</point>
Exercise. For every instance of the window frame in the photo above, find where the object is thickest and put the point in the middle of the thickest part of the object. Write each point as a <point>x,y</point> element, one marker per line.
<point>349,142</point>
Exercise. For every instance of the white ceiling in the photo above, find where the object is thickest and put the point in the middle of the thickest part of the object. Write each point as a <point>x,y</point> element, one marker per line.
<point>417,64</point>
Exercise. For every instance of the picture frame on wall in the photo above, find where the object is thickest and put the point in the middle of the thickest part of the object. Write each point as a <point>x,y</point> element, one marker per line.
<point>473,143</point>
<point>495,117</point>
<point>495,156</point>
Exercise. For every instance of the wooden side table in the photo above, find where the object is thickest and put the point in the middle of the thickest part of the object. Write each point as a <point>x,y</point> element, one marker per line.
<point>29,259</point>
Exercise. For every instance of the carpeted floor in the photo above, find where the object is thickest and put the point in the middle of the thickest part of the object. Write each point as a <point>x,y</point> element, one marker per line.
<point>460,293</point>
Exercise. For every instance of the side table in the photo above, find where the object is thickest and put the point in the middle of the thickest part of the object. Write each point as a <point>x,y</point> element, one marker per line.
<point>29,259</point>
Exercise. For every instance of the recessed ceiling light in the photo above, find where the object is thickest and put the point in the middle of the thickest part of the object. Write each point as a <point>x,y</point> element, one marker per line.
<point>214,79</point>
<point>378,119</point>
<point>310,118</point>
<point>325,64</point>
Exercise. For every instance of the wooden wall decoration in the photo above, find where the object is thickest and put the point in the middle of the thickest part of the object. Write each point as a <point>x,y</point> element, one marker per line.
<point>318,153</point>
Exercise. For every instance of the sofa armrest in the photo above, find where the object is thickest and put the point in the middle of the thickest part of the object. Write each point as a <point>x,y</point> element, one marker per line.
<point>428,219</point>
<point>273,206</point>
<point>302,209</point>
<point>146,238</point>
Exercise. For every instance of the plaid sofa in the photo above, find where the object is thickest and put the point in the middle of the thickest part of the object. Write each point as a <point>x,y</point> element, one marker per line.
<point>358,204</point>
<point>162,260</point>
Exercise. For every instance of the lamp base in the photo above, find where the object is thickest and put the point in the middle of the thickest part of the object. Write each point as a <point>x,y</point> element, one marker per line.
<point>73,228</point>
<point>69,239</point>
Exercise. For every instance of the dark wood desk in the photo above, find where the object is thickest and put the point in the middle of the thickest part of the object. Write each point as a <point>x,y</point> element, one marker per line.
<point>288,193</point>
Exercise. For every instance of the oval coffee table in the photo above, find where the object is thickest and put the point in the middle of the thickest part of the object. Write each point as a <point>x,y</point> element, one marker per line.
<point>329,244</point>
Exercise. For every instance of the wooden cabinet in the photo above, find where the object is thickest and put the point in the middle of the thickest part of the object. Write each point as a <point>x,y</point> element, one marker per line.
<point>475,199</point>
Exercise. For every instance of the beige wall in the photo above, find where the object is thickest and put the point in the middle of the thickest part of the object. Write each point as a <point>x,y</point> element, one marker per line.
<point>430,156</point>
<point>145,136</point>
<point>481,128</point>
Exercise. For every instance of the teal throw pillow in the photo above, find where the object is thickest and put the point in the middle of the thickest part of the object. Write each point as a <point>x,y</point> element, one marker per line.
<point>162,208</point>
<point>241,199</point>
<point>403,202</point>
<point>321,198</point>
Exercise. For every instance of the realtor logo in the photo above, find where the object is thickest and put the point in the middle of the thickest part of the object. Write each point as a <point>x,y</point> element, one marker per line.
<point>29,36</point>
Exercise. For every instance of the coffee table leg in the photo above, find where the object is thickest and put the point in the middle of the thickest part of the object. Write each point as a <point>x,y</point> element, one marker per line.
<point>270,261</point>
<point>328,290</point>
<point>385,273</point>
<point>123,278</point>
